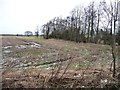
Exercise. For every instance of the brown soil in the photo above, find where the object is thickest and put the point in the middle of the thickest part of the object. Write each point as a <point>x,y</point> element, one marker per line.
<point>77,77</point>
<point>11,41</point>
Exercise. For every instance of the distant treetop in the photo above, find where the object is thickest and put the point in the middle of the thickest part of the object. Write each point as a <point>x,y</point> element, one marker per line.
<point>28,33</point>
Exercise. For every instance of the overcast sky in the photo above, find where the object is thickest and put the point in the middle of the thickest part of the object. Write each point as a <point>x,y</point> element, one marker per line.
<point>18,16</point>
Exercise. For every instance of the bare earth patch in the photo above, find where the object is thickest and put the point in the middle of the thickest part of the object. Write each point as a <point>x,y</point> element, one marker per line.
<point>10,41</point>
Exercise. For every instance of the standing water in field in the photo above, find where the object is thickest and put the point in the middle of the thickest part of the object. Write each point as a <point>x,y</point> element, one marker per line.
<point>22,46</point>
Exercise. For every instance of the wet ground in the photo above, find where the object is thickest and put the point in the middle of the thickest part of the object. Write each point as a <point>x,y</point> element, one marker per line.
<point>37,60</point>
<point>11,41</point>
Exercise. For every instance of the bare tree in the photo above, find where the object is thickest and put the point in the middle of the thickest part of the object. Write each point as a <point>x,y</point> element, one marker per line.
<point>112,12</point>
<point>37,32</point>
<point>115,17</point>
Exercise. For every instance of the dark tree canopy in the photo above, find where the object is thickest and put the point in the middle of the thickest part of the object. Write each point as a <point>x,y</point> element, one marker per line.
<point>28,33</point>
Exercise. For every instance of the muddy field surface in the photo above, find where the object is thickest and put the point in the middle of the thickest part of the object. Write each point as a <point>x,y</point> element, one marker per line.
<point>30,62</point>
<point>8,41</point>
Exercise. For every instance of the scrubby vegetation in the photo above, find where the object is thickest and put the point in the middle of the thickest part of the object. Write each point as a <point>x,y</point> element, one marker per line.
<point>56,63</point>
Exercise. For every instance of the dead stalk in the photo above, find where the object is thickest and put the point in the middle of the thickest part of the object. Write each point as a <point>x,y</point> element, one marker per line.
<point>66,68</point>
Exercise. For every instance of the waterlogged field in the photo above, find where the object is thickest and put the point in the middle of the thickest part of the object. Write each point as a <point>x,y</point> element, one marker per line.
<point>32,62</point>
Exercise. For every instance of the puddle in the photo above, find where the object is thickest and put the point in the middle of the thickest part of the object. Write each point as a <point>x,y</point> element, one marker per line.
<point>7,47</point>
<point>35,44</point>
<point>30,44</point>
<point>25,65</point>
<point>23,46</point>
<point>7,51</point>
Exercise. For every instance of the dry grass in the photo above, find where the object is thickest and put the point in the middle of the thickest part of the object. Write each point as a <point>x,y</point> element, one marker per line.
<point>57,63</point>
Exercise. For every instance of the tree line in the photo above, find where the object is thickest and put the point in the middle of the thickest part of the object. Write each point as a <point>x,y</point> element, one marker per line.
<point>95,23</point>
